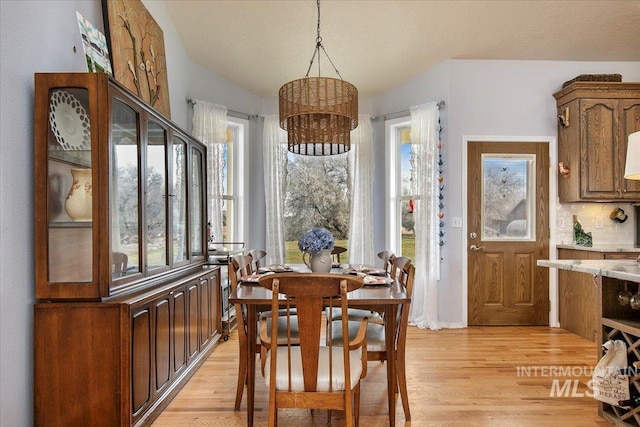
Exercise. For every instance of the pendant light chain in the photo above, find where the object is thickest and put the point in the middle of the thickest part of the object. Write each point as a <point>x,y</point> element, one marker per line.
<point>316,51</point>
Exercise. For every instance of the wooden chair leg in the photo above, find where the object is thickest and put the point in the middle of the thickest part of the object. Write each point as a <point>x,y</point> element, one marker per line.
<point>356,409</point>
<point>402,386</point>
<point>242,376</point>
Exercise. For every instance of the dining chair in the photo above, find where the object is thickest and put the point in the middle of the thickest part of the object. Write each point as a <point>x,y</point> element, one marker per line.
<point>386,257</point>
<point>119,261</point>
<point>376,339</point>
<point>335,253</point>
<point>392,265</point>
<point>311,375</point>
<point>239,266</point>
<point>257,255</point>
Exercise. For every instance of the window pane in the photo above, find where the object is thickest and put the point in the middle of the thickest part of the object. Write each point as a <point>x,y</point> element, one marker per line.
<point>227,220</point>
<point>407,171</point>
<point>407,235</point>
<point>317,195</point>
<point>508,200</point>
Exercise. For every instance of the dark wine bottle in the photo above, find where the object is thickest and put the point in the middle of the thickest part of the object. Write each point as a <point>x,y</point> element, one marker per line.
<point>633,402</point>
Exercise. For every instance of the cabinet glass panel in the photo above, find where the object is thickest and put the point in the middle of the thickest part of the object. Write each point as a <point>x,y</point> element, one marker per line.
<point>125,190</point>
<point>508,197</point>
<point>197,221</point>
<point>156,196</point>
<point>69,187</point>
<point>179,197</point>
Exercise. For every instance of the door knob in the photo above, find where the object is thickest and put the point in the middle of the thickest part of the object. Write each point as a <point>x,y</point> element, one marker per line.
<point>476,248</point>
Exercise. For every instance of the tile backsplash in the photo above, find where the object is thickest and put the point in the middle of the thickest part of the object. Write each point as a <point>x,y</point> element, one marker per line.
<point>595,219</point>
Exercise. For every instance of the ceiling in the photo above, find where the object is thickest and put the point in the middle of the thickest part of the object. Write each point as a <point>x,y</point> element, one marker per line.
<point>377,44</point>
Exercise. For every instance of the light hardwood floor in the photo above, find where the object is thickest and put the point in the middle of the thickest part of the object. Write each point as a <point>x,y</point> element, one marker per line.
<point>478,376</point>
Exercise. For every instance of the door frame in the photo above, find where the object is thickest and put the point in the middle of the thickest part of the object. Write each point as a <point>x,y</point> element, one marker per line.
<point>552,142</point>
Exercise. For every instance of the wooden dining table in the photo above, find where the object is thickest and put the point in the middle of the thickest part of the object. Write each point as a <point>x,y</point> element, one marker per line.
<point>381,298</point>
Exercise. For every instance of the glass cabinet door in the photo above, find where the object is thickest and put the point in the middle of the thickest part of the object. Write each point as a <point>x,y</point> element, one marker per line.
<point>156,197</point>
<point>196,198</point>
<point>125,190</point>
<point>69,187</point>
<point>179,199</point>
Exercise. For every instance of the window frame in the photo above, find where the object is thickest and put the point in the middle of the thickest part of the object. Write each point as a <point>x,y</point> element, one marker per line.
<point>238,181</point>
<point>393,183</point>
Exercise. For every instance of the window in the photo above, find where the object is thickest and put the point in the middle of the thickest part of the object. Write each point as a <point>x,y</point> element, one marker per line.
<point>233,184</point>
<point>401,191</point>
<point>317,195</point>
<point>508,197</point>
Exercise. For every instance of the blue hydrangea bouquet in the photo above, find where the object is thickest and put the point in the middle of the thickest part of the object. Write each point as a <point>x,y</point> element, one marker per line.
<point>315,240</point>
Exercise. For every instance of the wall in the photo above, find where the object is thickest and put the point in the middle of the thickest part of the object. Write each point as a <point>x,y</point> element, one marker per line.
<point>24,51</point>
<point>497,98</point>
<point>39,36</point>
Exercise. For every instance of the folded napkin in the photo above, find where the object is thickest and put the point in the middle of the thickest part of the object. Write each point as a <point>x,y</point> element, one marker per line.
<point>367,270</point>
<point>254,277</point>
<point>277,268</point>
<point>376,280</point>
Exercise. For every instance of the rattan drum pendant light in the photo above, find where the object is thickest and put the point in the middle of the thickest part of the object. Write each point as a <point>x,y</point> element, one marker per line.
<point>318,113</point>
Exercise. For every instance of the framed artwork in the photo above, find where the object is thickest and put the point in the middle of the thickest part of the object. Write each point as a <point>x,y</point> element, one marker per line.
<point>136,45</point>
<point>95,48</point>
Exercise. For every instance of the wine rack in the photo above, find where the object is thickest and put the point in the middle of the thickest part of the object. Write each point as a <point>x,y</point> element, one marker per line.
<point>629,332</point>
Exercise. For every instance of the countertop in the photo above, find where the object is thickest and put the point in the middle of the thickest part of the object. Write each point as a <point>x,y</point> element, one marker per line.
<point>618,269</point>
<point>602,248</point>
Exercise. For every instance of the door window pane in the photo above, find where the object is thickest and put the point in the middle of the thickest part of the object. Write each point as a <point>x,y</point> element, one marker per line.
<point>179,197</point>
<point>156,192</point>
<point>69,187</point>
<point>197,221</point>
<point>125,228</point>
<point>508,202</point>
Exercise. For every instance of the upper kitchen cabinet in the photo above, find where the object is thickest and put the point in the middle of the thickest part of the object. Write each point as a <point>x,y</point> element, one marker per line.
<point>119,191</point>
<point>594,122</point>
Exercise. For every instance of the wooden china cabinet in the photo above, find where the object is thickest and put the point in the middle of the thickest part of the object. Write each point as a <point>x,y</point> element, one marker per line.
<point>126,307</point>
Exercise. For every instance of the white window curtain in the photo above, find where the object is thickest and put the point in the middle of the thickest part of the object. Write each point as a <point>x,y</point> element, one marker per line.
<point>274,151</point>
<point>361,177</point>
<point>424,139</point>
<point>210,127</point>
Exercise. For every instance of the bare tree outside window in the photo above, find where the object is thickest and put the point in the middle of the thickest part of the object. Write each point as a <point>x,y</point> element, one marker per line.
<point>505,197</point>
<point>317,195</point>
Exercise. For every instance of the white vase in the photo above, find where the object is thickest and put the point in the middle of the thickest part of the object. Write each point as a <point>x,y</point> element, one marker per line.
<point>319,262</point>
<point>79,200</point>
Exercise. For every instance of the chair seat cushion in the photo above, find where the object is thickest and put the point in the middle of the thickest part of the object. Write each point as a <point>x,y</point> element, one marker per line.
<point>375,334</point>
<point>297,379</point>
